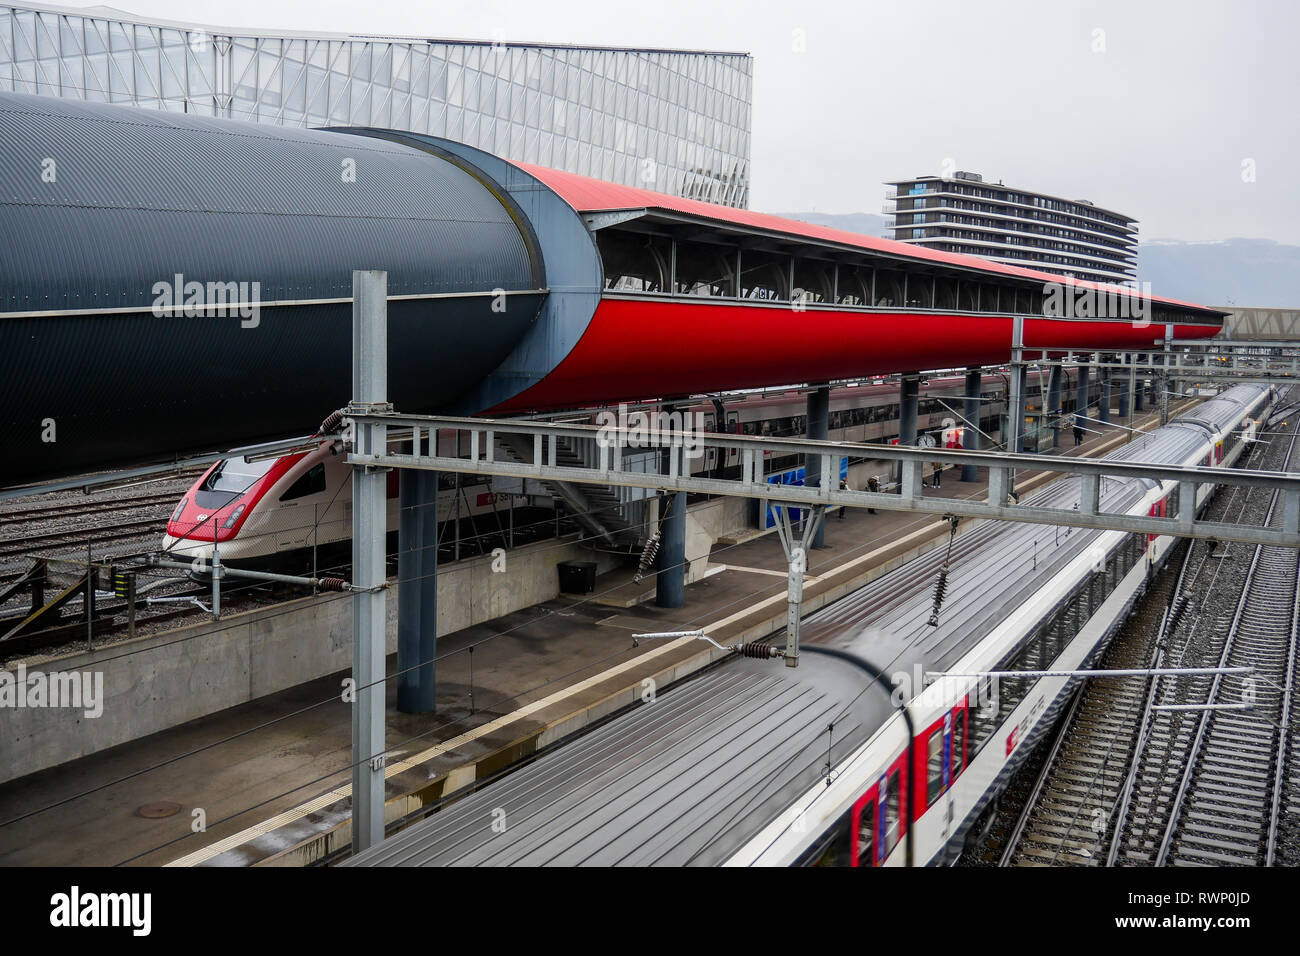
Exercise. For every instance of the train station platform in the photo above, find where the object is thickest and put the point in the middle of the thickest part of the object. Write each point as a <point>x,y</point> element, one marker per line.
<point>268,782</point>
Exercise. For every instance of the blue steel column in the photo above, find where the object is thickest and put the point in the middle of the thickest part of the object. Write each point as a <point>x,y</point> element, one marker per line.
<point>818,428</point>
<point>670,580</point>
<point>1126,388</point>
<point>1081,394</point>
<point>1139,391</point>
<point>1103,408</point>
<point>417,591</point>
<point>369,527</point>
<point>1054,402</point>
<point>908,399</point>
<point>973,414</point>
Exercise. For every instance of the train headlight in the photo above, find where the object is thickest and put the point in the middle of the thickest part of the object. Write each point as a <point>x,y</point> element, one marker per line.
<point>234,516</point>
<point>176,515</point>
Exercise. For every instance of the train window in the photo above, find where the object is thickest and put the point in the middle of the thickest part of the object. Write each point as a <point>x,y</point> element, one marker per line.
<point>867,833</point>
<point>893,797</point>
<point>934,789</point>
<point>236,476</point>
<point>311,483</point>
<point>705,269</point>
<point>958,741</point>
<point>832,849</point>
<point>920,292</point>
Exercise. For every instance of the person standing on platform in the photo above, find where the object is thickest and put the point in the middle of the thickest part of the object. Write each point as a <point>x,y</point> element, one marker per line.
<point>873,486</point>
<point>844,486</point>
<point>938,474</point>
<point>1078,431</point>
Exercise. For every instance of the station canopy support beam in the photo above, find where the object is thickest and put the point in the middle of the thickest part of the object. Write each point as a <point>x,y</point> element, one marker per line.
<point>752,451</point>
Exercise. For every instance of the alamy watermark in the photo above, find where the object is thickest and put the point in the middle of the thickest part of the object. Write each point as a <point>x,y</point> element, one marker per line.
<point>176,296</point>
<point>1132,304</point>
<point>652,429</point>
<point>77,690</point>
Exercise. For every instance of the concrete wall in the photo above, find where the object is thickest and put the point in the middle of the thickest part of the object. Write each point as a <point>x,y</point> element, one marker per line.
<point>156,682</point>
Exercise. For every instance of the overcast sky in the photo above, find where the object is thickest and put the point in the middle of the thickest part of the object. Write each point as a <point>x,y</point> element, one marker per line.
<point>1149,107</point>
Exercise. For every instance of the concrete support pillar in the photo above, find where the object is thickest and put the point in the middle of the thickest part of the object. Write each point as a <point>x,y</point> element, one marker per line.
<point>417,592</point>
<point>1054,402</point>
<point>972,413</point>
<point>670,581</point>
<point>818,424</point>
<point>908,402</point>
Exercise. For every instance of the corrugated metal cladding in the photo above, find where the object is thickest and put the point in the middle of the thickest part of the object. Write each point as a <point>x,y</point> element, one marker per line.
<point>99,202</point>
<point>688,780</point>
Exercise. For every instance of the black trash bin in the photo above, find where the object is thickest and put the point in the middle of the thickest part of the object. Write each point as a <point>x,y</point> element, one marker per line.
<point>577,577</point>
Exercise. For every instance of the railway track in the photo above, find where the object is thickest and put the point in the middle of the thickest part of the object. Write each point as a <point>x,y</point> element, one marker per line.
<point>1129,782</point>
<point>1228,801</point>
<point>77,538</point>
<point>77,508</point>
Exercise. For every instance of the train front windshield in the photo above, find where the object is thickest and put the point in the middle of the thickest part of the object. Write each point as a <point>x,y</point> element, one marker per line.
<point>235,476</point>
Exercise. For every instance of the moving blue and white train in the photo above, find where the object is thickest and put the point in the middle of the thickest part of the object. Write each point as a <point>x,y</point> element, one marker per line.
<point>848,759</point>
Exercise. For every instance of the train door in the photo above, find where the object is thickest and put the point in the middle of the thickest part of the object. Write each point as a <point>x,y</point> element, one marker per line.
<point>940,757</point>
<point>878,820</point>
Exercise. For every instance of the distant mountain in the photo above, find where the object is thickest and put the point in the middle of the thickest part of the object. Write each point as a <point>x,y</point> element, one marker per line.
<point>865,223</point>
<point>1240,272</point>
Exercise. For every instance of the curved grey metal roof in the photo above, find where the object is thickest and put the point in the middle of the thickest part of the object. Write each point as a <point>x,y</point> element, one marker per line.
<point>138,196</point>
<point>102,207</point>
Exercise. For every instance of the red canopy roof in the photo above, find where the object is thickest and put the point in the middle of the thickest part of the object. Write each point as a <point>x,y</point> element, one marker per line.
<point>585,195</point>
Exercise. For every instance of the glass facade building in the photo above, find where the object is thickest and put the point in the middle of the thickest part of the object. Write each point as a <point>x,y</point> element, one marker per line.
<point>1069,237</point>
<point>675,121</point>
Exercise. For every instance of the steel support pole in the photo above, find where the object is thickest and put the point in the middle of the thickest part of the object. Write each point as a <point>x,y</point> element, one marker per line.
<point>1016,400</point>
<point>1054,380</point>
<point>1139,386</point>
<point>417,592</point>
<point>369,526</point>
<point>908,402</point>
<point>973,415</point>
<point>818,425</point>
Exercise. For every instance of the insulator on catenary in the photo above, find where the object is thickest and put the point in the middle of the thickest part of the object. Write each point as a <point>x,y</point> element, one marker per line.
<point>332,584</point>
<point>331,423</point>
<point>763,651</point>
<point>940,589</point>
<point>648,555</point>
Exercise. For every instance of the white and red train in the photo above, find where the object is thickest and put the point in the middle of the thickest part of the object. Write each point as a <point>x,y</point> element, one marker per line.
<point>850,759</point>
<point>264,509</point>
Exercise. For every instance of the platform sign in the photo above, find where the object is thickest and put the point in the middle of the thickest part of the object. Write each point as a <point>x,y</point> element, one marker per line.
<point>794,476</point>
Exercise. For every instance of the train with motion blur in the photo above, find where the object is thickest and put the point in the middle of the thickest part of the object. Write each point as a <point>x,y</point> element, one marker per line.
<point>273,510</point>
<point>889,744</point>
